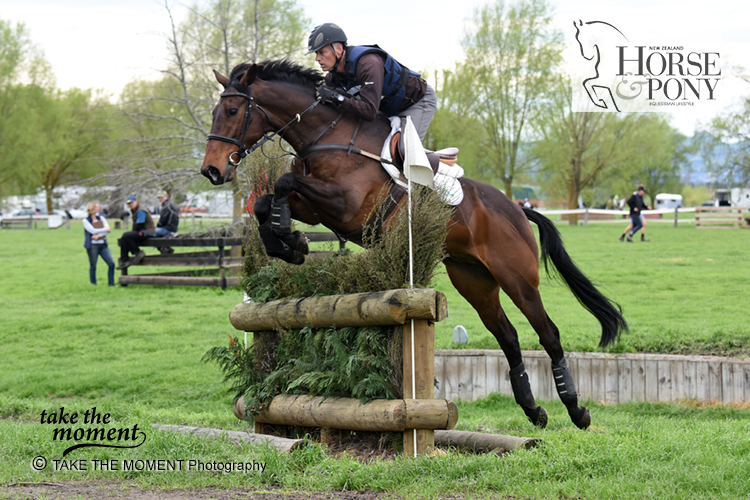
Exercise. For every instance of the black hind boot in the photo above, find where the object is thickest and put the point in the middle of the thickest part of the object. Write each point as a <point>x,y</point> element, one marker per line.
<point>566,389</point>
<point>519,381</point>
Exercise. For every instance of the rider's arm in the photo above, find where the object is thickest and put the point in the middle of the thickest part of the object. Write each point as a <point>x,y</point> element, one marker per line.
<point>370,74</point>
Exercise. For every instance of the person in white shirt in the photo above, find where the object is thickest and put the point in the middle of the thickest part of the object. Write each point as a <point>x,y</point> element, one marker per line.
<point>96,230</point>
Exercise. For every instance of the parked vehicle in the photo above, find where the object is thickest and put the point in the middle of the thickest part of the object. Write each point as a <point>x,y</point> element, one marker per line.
<point>666,200</point>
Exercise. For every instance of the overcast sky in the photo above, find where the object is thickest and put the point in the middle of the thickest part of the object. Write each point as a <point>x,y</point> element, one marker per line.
<point>106,43</point>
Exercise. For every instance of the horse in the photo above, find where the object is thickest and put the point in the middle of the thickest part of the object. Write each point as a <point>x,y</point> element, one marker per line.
<point>335,180</point>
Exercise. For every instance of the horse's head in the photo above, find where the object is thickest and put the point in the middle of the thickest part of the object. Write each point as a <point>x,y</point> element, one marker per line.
<point>584,42</point>
<point>236,125</point>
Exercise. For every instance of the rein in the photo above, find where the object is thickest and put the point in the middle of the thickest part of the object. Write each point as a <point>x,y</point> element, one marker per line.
<point>243,150</point>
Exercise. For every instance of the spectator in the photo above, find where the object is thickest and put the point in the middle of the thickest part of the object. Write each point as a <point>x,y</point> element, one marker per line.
<point>96,229</point>
<point>169,219</point>
<point>637,206</point>
<point>143,229</point>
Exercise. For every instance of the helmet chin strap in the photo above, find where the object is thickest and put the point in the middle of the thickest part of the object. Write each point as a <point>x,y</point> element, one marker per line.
<point>338,58</point>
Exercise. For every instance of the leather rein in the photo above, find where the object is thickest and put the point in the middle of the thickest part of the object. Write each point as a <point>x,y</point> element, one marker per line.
<point>243,151</point>
<point>393,197</point>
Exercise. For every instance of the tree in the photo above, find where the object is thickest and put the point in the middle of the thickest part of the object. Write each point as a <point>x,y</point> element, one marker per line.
<point>50,138</point>
<point>510,59</point>
<point>168,120</point>
<point>453,126</point>
<point>577,151</point>
<point>726,147</point>
<point>21,64</point>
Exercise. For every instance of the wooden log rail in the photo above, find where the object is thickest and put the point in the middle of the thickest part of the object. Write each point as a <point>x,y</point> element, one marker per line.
<point>718,218</point>
<point>219,260</point>
<point>416,415</point>
<point>210,262</point>
<point>379,415</point>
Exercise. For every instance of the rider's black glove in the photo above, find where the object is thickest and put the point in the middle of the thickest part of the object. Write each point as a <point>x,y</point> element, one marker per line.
<point>329,95</point>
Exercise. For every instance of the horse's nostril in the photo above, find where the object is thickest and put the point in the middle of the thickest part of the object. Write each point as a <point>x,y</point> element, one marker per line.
<point>213,174</point>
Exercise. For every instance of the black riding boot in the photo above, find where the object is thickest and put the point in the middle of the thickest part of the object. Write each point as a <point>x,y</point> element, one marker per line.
<point>566,389</point>
<point>519,381</point>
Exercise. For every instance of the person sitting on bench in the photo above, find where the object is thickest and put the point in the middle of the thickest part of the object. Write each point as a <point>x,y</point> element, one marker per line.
<point>169,219</point>
<point>143,229</point>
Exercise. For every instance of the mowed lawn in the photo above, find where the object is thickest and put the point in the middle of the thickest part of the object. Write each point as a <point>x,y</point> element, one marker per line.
<point>135,353</point>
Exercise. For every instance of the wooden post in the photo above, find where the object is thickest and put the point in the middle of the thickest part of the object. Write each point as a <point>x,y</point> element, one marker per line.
<point>424,363</point>
<point>675,217</point>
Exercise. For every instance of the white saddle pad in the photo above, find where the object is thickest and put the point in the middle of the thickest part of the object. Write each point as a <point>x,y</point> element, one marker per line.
<point>445,181</point>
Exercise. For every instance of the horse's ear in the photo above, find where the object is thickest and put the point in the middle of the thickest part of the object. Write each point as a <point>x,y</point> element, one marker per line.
<point>223,80</point>
<point>249,76</point>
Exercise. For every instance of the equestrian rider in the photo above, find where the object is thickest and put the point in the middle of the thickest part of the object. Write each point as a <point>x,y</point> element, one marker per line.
<point>365,79</point>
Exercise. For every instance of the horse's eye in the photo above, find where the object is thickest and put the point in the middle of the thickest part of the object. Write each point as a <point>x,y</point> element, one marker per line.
<point>231,111</point>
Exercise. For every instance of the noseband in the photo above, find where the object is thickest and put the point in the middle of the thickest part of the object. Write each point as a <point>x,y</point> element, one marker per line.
<point>244,92</point>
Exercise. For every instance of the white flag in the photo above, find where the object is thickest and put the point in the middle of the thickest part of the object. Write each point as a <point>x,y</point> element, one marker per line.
<point>416,165</point>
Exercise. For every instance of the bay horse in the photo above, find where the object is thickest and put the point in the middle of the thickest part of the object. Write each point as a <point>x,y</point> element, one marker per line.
<point>334,181</point>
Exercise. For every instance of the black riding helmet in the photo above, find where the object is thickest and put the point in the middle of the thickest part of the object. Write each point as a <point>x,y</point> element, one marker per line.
<point>325,34</point>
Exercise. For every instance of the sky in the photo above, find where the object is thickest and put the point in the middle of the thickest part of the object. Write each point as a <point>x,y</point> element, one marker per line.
<point>104,44</point>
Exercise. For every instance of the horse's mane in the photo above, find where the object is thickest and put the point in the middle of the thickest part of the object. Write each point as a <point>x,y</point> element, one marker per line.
<point>281,70</point>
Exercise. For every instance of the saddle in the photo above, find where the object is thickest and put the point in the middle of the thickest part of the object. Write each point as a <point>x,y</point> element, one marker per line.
<point>447,156</point>
<point>445,169</point>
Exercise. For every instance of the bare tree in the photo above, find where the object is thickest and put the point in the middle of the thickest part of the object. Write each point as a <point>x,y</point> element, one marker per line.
<point>164,123</point>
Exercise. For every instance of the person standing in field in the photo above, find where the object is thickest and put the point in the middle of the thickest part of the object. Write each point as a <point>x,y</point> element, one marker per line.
<point>96,230</point>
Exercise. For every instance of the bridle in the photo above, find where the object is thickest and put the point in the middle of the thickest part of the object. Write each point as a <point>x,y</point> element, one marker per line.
<point>242,151</point>
<point>244,91</point>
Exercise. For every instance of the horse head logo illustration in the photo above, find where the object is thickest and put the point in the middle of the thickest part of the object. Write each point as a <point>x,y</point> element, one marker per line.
<point>591,38</point>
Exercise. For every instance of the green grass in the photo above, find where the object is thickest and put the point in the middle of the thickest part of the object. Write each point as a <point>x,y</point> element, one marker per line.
<point>135,353</point>
<point>685,291</point>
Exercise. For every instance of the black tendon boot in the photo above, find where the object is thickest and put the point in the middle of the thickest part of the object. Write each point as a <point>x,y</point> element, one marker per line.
<point>519,381</point>
<point>566,389</point>
<point>281,217</point>
<point>276,248</point>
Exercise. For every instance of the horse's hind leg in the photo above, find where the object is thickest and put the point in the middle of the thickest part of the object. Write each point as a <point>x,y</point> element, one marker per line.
<point>475,283</point>
<point>528,300</point>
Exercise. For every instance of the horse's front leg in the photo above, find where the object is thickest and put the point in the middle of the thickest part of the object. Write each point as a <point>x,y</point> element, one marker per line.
<point>290,246</point>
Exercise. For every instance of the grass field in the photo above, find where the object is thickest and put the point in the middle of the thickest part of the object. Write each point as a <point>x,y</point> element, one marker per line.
<point>135,353</point>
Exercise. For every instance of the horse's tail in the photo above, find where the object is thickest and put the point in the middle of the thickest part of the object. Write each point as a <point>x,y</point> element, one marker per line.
<point>607,312</point>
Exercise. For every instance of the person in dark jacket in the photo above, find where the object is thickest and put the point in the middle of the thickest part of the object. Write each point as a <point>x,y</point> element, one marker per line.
<point>370,79</point>
<point>169,216</point>
<point>143,229</point>
<point>169,219</point>
<point>637,206</point>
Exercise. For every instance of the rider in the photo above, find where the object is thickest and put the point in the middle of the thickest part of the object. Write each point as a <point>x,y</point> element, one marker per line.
<point>371,80</point>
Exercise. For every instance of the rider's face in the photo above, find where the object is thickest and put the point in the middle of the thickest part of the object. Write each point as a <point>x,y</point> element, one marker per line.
<point>326,57</point>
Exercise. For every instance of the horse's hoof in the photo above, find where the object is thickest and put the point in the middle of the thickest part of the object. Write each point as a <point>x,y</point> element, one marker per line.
<point>298,259</point>
<point>539,417</point>
<point>583,419</point>
<point>301,245</point>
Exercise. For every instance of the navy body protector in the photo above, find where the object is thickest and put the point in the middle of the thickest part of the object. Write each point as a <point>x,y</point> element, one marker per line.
<point>394,80</point>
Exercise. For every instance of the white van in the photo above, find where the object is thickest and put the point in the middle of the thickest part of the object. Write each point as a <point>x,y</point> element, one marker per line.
<point>666,201</point>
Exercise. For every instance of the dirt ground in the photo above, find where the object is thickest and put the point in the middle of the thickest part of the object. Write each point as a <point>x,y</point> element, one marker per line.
<point>94,490</point>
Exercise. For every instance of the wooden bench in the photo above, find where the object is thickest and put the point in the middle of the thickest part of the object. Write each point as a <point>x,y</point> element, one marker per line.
<point>18,223</point>
<point>212,264</point>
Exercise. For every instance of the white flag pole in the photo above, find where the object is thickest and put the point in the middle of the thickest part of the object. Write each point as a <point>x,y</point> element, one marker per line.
<point>411,285</point>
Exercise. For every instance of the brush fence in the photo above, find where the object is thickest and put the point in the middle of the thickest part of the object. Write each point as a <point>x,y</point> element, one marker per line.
<point>392,307</point>
<point>610,378</point>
